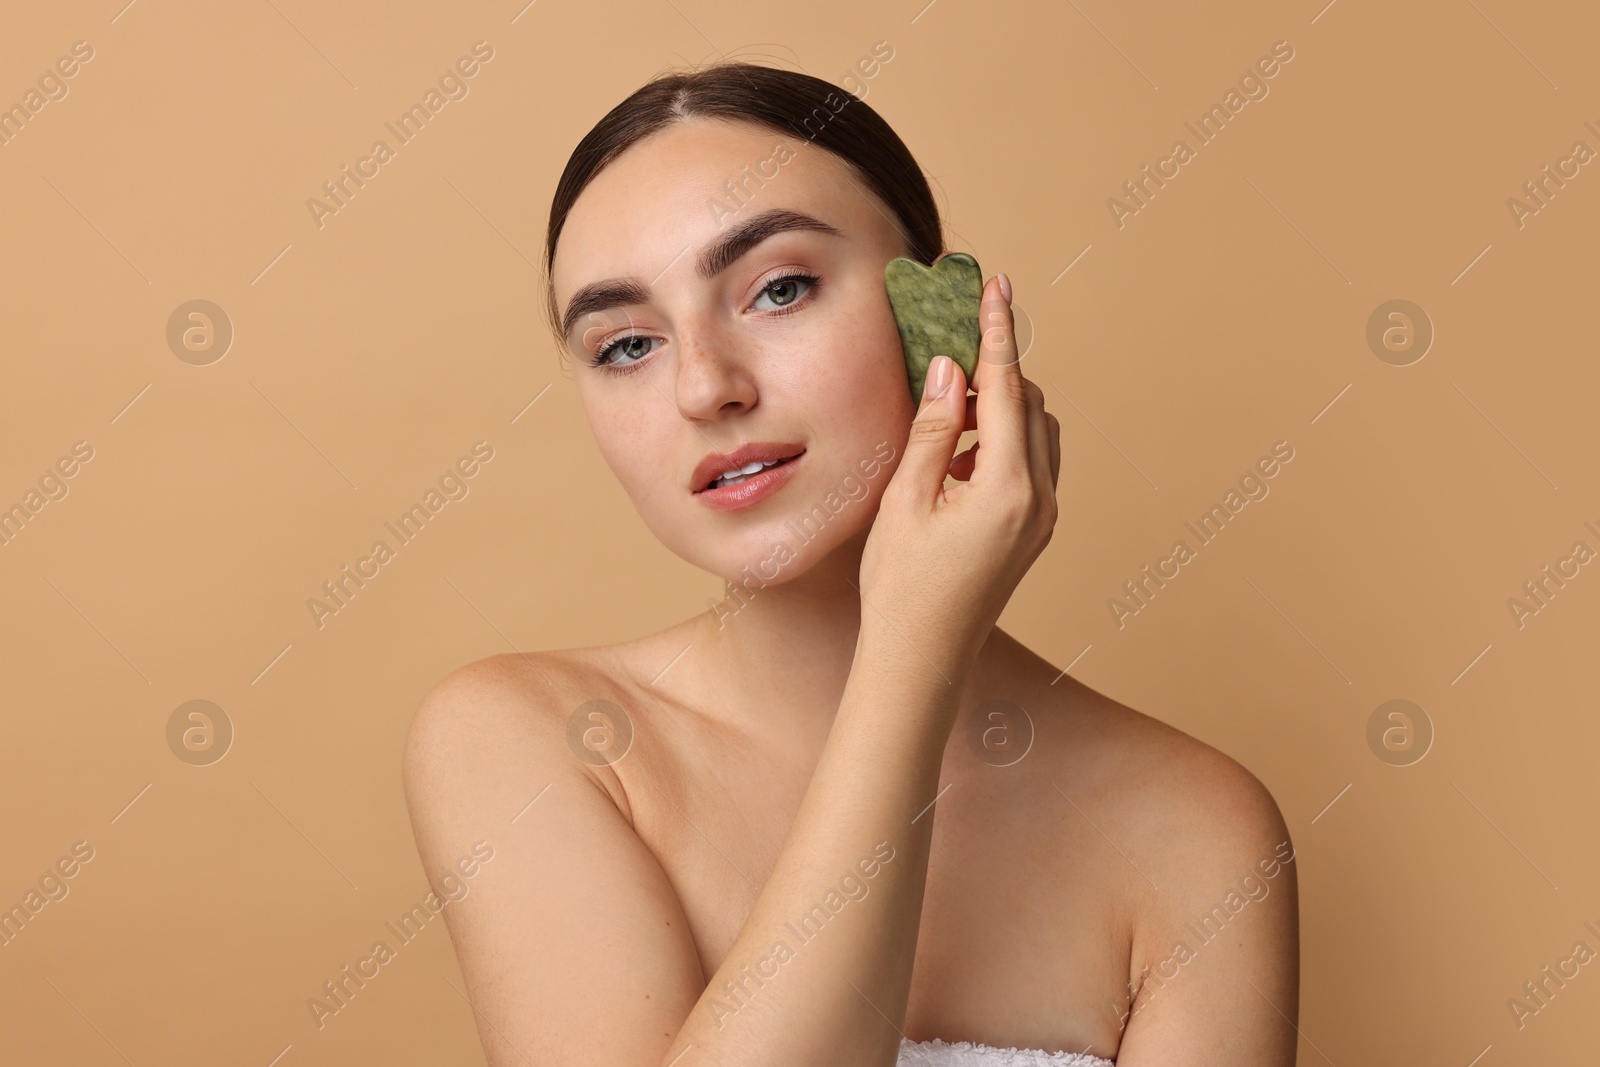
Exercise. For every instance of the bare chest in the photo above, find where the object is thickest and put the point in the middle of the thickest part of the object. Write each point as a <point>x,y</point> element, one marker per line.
<point>1024,939</point>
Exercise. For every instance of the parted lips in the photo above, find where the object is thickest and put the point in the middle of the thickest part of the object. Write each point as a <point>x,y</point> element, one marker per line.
<point>936,309</point>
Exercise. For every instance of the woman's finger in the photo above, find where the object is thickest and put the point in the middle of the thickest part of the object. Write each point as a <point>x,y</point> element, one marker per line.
<point>1002,405</point>
<point>1055,453</point>
<point>931,443</point>
<point>1039,433</point>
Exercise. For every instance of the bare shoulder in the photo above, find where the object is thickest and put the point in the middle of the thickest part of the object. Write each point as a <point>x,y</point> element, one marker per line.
<point>1198,805</point>
<point>1193,822</point>
<point>490,772</point>
<point>492,700</point>
<point>1175,785</point>
<point>1217,936</point>
<point>497,718</point>
<point>1209,865</point>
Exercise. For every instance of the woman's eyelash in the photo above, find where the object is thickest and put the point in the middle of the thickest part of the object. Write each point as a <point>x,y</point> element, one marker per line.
<point>601,358</point>
<point>601,361</point>
<point>811,280</point>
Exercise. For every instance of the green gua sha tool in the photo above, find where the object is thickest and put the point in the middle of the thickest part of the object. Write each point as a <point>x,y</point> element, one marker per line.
<point>936,309</point>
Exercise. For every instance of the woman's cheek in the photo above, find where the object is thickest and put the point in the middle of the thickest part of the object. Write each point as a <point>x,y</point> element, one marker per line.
<point>644,470</point>
<point>862,358</point>
<point>872,397</point>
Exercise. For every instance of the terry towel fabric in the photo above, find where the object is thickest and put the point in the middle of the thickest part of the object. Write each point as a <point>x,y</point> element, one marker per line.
<point>938,1053</point>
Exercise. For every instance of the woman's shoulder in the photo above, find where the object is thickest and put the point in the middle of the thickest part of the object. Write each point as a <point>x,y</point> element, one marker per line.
<point>1182,844</point>
<point>1177,826</point>
<point>1164,788</point>
<point>507,690</point>
<point>507,718</point>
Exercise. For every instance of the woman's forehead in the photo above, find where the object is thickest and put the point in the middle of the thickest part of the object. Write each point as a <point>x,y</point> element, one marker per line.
<point>679,187</point>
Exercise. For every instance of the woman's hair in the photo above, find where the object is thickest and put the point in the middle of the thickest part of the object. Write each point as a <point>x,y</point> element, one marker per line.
<point>780,100</point>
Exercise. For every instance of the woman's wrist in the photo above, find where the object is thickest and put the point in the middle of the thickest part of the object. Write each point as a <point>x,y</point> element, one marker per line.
<point>910,662</point>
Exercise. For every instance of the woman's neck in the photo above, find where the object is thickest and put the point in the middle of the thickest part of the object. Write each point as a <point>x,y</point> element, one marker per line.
<point>778,656</point>
<point>792,642</point>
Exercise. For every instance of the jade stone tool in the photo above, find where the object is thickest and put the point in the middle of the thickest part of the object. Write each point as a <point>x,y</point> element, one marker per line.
<point>936,309</point>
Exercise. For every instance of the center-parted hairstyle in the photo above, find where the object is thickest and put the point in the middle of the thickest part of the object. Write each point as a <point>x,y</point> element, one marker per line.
<point>788,103</point>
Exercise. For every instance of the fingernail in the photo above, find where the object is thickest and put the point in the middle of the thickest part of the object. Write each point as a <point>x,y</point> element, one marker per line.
<point>938,378</point>
<point>1005,287</point>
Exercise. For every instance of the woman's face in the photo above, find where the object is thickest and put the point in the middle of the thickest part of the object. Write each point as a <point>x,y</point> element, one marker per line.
<point>693,367</point>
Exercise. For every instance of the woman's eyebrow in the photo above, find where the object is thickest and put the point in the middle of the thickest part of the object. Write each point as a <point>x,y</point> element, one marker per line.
<point>715,257</point>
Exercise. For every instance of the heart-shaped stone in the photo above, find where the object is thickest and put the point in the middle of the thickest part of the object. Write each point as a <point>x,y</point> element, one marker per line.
<point>936,309</point>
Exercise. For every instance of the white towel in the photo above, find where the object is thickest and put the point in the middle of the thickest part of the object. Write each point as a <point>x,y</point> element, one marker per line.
<point>938,1053</point>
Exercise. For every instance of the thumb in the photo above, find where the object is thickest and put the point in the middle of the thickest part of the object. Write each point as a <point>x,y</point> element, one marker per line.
<point>940,421</point>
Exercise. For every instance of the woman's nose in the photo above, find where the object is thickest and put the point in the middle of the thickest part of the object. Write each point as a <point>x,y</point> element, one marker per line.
<point>713,376</point>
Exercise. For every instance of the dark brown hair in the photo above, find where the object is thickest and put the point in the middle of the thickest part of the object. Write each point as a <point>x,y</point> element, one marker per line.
<point>780,100</point>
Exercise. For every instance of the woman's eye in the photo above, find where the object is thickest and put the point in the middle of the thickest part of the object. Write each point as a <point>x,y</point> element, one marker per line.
<point>624,353</point>
<point>622,346</point>
<point>785,291</point>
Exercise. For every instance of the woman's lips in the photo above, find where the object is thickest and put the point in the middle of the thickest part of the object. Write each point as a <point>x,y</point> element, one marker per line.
<point>753,489</point>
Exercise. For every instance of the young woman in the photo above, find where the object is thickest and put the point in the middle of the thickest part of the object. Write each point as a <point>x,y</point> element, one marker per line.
<point>841,817</point>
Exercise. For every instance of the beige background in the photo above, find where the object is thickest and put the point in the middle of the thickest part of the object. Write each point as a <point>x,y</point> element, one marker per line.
<point>369,354</point>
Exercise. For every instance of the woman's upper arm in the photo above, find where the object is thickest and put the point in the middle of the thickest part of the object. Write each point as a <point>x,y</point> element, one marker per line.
<point>572,941</point>
<point>1222,946</point>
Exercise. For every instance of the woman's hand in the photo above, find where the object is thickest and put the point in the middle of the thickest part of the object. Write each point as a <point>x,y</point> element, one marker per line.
<point>940,564</point>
